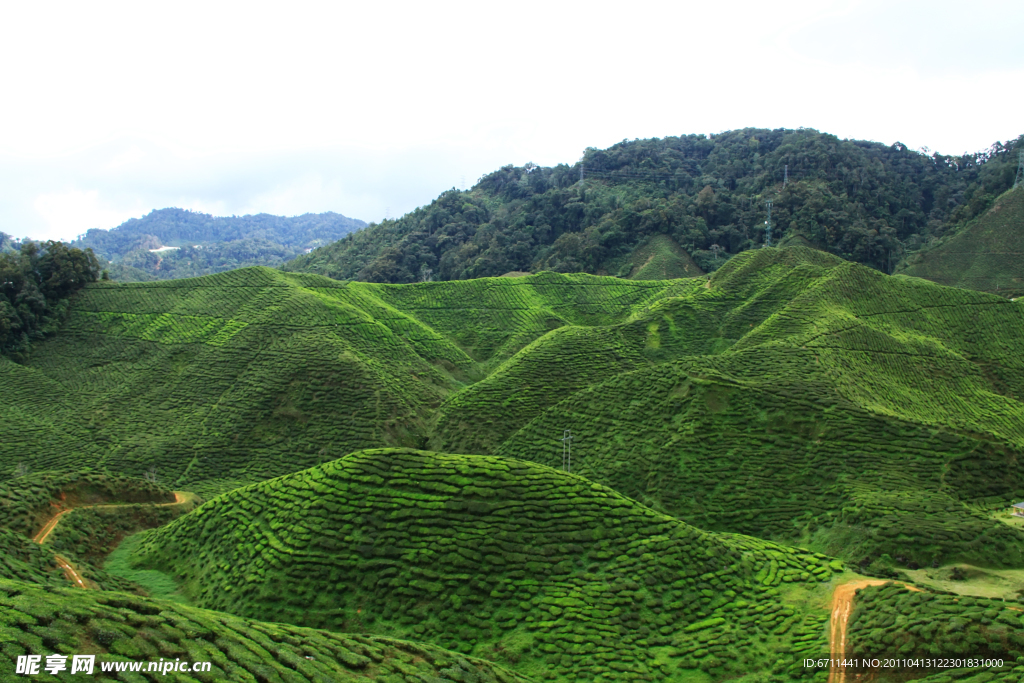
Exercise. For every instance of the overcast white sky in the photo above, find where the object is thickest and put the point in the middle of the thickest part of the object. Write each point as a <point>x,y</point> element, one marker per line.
<point>110,110</point>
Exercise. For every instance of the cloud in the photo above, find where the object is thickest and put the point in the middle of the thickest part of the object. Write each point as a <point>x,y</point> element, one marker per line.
<point>73,213</point>
<point>374,107</point>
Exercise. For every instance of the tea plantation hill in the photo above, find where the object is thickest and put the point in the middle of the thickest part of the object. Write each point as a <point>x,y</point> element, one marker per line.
<point>864,414</point>
<point>791,395</point>
<point>241,376</point>
<point>29,501</point>
<point>556,576</point>
<point>120,627</point>
<point>902,623</point>
<point>987,255</point>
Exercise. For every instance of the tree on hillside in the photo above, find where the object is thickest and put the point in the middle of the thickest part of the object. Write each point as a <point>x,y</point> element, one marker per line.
<point>35,284</point>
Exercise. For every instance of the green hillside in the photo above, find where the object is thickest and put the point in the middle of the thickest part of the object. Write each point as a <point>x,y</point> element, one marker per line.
<point>908,624</point>
<point>499,558</point>
<point>791,395</point>
<point>662,259</point>
<point>250,374</point>
<point>116,627</point>
<point>987,255</point>
<point>862,201</point>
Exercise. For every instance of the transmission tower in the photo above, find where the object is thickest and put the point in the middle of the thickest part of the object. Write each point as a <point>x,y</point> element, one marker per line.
<point>1020,171</point>
<point>785,176</point>
<point>566,450</point>
<point>768,225</point>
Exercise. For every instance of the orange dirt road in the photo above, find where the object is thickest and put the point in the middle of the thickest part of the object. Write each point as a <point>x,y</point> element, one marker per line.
<point>69,571</point>
<point>842,607</point>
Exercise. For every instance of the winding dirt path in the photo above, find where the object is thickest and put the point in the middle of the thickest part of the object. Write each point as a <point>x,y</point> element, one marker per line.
<point>842,607</point>
<point>69,571</point>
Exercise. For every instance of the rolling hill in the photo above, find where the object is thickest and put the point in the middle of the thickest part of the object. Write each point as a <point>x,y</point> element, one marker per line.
<point>987,255</point>
<point>504,559</point>
<point>791,395</point>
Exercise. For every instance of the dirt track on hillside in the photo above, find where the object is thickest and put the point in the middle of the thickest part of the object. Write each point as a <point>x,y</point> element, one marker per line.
<point>842,607</point>
<point>69,571</point>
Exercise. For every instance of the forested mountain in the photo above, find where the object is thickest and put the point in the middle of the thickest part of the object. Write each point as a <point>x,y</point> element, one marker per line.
<point>863,201</point>
<point>204,244</point>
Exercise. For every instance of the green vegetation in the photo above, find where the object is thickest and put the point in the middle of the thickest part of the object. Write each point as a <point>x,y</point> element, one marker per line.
<point>862,201</point>
<point>897,622</point>
<point>540,569</point>
<point>119,627</point>
<point>791,395</point>
<point>986,255</point>
<point>661,258</point>
<point>204,244</point>
<point>29,500</point>
<point>36,283</point>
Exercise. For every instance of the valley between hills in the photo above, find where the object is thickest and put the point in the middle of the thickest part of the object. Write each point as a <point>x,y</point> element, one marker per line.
<point>376,491</point>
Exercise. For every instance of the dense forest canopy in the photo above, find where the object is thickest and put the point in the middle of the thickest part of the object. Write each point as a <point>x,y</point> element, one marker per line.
<point>204,244</point>
<point>864,201</point>
<point>36,283</point>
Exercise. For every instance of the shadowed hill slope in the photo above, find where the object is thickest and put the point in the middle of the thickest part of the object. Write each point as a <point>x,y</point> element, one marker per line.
<point>497,557</point>
<point>117,627</point>
<point>987,255</point>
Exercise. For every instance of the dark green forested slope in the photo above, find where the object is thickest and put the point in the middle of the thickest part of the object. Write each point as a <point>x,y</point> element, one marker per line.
<point>987,255</point>
<point>792,395</point>
<point>116,627</point>
<point>207,244</point>
<point>862,201</point>
<point>536,568</point>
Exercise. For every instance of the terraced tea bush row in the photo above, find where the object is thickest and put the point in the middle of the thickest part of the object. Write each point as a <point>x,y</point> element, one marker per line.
<point>901,623</point>
<point>546,571</point>
<point>785,461</point>
<point>120,627</point>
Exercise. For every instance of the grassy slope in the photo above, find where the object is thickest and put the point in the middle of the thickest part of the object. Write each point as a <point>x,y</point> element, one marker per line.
<point>986,255</point>
<point>508,560</point>
<point>120,627</point>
